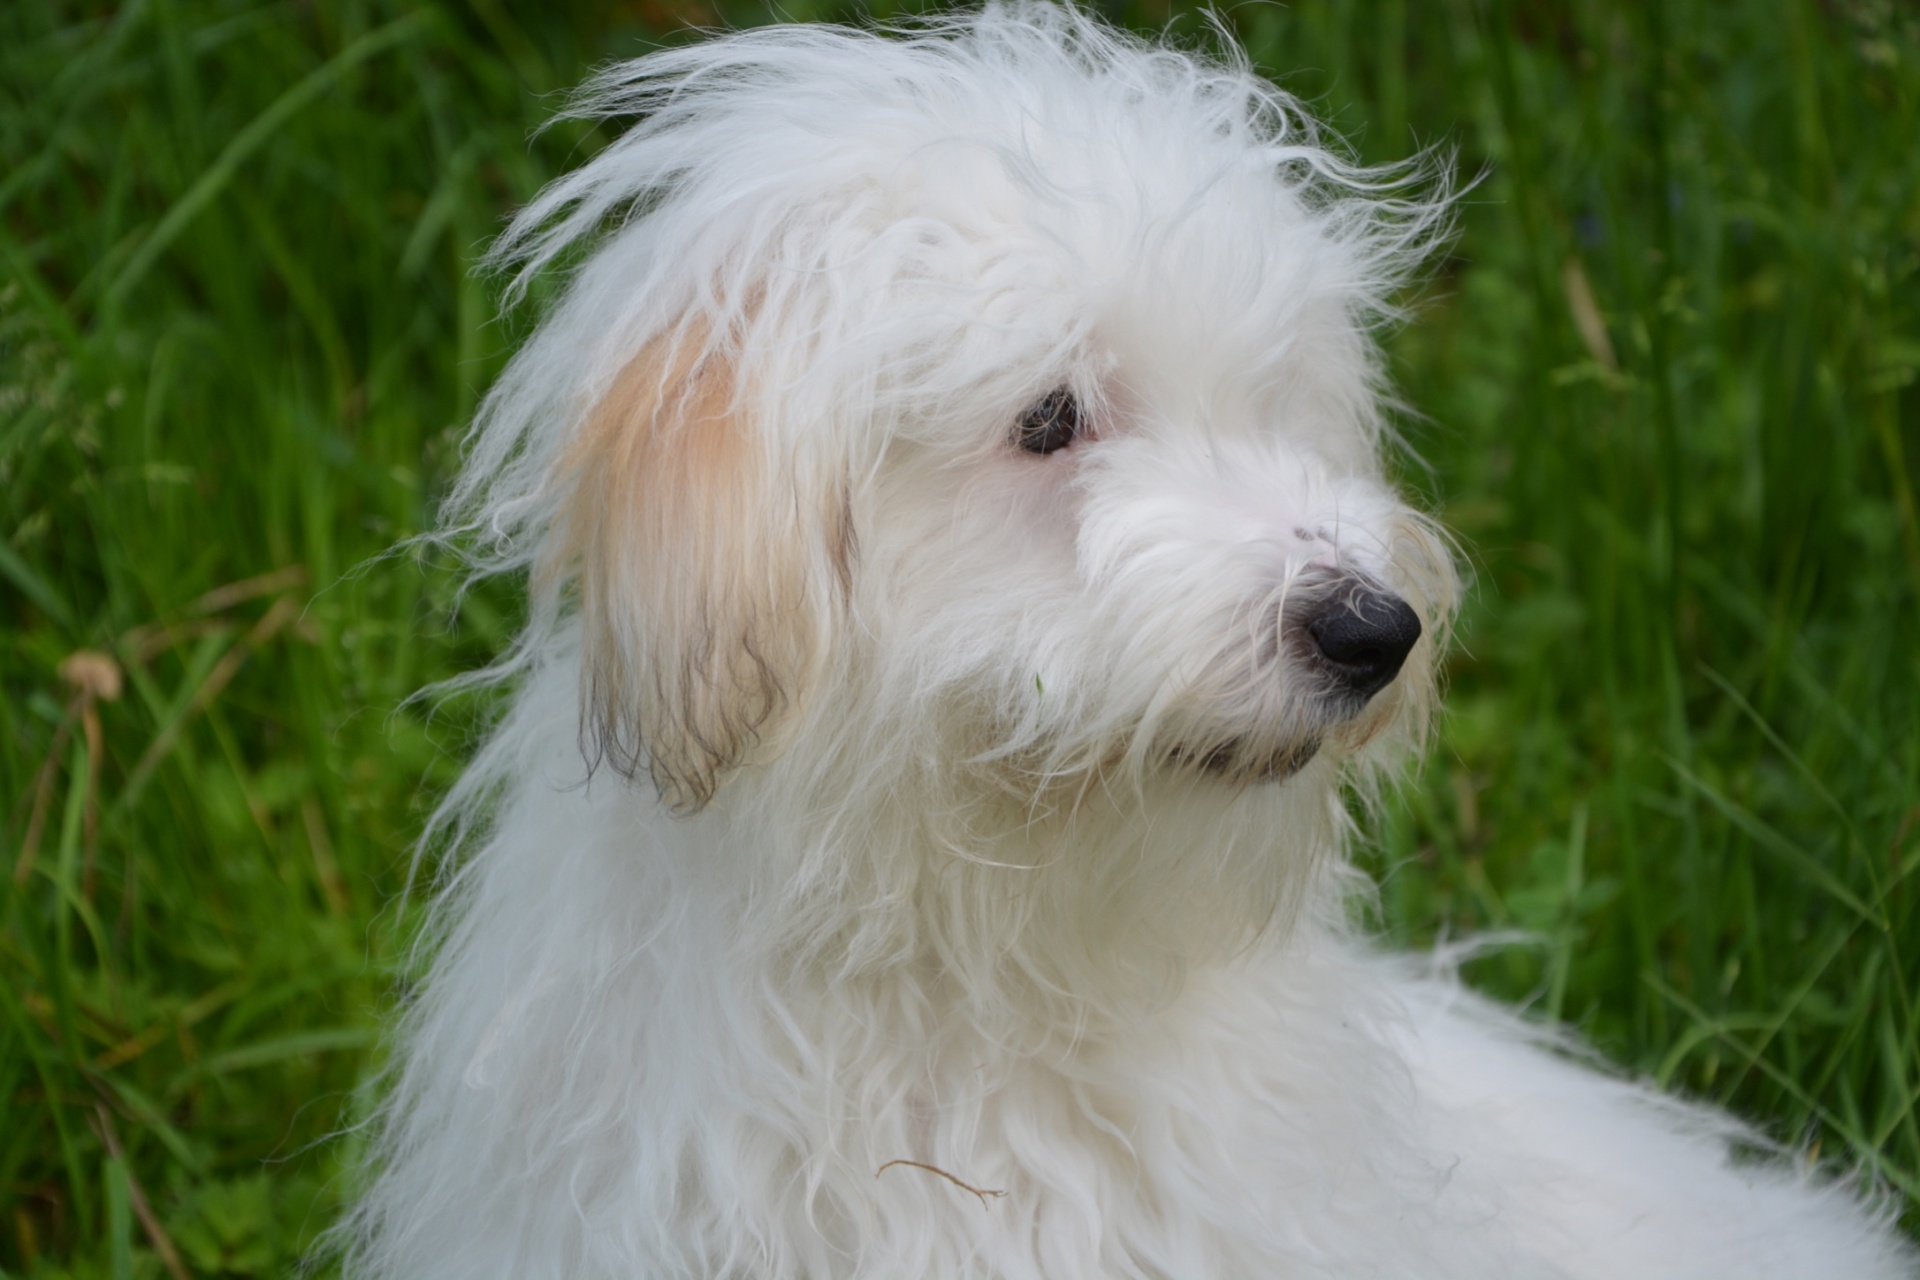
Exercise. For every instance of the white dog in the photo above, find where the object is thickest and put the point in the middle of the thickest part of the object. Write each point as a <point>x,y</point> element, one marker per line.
<point>963,585</point>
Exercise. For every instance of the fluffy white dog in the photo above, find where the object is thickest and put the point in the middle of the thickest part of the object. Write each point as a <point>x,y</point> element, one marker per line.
<point>963,586</point>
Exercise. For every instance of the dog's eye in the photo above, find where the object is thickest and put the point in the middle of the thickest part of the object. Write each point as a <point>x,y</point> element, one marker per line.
<point>1052,423</point>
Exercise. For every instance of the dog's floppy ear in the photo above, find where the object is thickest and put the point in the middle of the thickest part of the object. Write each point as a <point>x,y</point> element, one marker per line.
<point>706,573</point>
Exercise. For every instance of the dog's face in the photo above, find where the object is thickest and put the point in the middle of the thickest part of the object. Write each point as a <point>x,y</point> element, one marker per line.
<point>1049,421</point>
<point>1156,532</point>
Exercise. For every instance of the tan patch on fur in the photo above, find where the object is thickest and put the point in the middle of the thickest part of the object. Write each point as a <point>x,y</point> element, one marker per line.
<point>695,558</point>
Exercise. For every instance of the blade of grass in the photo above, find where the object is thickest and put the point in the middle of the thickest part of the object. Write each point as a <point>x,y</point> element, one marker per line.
<point>249,140</point>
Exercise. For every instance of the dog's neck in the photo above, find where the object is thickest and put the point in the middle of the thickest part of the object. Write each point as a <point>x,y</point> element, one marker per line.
<point>1085,905</point>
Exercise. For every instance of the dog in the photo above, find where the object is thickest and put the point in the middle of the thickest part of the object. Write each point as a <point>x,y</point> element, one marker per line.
<point>964,596</point>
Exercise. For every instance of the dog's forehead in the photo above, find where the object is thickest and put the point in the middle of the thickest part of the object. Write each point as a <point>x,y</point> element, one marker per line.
<point>1199,292</point>
<point>1127,201</point>
<point>1187,255</point>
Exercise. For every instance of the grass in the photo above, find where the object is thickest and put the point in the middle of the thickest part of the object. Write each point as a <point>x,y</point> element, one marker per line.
<point>1668,379</point>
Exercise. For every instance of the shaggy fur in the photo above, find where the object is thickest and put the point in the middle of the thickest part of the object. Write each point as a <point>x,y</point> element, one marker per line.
<point>909,853</point>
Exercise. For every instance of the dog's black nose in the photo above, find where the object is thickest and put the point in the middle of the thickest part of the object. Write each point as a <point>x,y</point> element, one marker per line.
<point>1364,633</point>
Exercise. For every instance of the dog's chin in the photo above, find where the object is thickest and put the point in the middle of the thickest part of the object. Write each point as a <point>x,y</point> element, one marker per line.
<point>1336,722</point>
<point>1245,762</point>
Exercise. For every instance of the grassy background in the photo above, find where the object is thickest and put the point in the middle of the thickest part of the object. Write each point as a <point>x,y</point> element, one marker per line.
<point>1669,379</point>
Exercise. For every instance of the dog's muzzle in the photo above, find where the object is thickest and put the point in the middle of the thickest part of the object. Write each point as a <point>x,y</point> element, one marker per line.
<point>1356,632</point>
<point>1348,636</point>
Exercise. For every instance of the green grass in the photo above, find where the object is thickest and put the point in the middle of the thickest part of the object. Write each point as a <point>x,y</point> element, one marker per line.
<point>1669,385</point>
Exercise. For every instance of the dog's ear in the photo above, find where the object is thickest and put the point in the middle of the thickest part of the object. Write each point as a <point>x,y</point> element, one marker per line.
<point>707,574</point>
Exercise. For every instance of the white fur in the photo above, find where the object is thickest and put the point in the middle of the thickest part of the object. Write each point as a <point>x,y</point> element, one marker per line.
<point>897,848</point>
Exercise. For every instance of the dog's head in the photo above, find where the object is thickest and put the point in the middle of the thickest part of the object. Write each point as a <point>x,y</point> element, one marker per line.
<point>1010,379</point>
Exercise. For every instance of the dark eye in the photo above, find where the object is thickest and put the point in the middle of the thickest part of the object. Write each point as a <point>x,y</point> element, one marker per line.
<point>1052,423</point>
